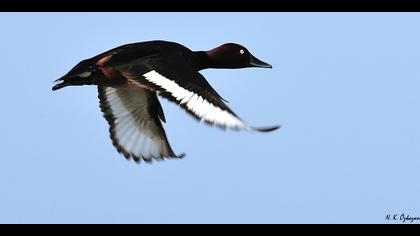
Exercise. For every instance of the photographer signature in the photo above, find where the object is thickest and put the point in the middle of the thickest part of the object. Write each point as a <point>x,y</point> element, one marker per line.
<point>404,218</point>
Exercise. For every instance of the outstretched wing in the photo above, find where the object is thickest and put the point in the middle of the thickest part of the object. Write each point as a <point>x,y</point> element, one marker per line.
<point>179,83</point>
<point>133,115</point>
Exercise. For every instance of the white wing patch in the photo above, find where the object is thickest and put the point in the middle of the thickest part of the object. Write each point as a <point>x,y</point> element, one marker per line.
<point>132,130</point>
<point>198,105</point>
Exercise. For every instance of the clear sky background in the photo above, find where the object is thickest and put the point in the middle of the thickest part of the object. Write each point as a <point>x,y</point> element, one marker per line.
<point>344,86</point>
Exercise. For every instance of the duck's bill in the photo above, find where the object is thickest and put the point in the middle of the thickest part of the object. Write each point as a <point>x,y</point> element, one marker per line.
<point>255,62</point>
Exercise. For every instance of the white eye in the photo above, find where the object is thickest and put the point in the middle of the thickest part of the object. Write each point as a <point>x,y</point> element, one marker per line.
<point>242,51</point>
<point>85,74</point>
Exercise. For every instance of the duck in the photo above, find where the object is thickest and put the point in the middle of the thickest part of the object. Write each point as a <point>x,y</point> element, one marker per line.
<point>131,77</point>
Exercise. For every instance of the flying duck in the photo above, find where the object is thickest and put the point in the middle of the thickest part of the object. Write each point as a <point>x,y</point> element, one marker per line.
<point>131,76</point>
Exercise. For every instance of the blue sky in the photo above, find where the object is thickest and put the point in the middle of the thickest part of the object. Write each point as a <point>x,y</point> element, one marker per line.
<point>344,87</point>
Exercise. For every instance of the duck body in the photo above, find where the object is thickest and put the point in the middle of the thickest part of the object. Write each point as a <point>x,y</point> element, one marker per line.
<point>131,76</point>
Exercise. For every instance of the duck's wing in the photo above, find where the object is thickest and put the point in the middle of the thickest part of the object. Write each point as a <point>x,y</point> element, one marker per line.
<point>134,114</point>
<point>176,81</point>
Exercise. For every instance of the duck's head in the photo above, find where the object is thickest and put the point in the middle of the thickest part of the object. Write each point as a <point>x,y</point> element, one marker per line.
<point>232,55</point>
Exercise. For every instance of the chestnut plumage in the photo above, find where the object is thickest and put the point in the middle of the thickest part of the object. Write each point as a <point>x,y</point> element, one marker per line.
<point>131,76</point>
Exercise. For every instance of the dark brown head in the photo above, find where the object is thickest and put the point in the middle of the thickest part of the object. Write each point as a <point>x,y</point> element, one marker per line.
<point>232,55</point>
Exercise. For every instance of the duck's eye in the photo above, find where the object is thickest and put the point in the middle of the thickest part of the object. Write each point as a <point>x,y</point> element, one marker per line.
<point>242,51</point>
